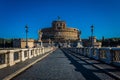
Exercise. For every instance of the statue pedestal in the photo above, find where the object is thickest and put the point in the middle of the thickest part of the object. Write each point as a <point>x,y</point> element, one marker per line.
<point>79,44</point>
<point>68,45</point>
<point>40,44</point>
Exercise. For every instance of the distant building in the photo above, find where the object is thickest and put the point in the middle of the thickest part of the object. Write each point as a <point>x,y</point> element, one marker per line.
<point>91,42</point>
<point>21,43</point>
<point>59,33</point>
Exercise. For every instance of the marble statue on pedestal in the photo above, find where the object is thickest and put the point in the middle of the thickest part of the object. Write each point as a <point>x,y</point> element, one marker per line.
<point>40,38</point>
<point>79,44</point>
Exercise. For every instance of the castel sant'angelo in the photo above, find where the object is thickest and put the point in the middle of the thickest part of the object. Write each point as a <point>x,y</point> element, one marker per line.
<point>59,33</point>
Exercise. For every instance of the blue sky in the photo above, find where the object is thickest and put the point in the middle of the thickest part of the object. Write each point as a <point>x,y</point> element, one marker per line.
<point>38,14</point>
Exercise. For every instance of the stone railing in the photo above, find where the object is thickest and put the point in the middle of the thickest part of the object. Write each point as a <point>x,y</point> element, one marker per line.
<point>11,57</point>
<point>109,55</point>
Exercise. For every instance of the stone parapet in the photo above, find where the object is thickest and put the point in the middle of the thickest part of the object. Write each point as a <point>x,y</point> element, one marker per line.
<point>11,57</point>
<point>109,55</point>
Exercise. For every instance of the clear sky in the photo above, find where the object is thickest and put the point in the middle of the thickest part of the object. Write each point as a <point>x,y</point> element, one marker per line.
<point>81,14</point>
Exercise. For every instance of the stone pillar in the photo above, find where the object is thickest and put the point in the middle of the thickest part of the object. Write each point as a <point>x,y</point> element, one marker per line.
<point>38,51</point>
<point>31,51</point>
<point>97,54</point>
<point>84,53</point>
<point>81,52</point>
<point>22,57</point>
<point>78,50</point>
<point>109,56</point>
<point>6,59</point>
<point>19,55</point>
<point>11,58</point>
<point>75,50</point>
<point>43,50</point>
<point>29,54</point>
<point>34,54</point>
<point>90,52</point>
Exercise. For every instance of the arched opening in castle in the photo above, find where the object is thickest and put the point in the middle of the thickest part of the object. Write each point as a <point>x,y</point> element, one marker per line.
<point>59,34</point>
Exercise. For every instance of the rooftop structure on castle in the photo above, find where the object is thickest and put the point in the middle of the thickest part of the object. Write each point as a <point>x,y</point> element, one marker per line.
<point>59,33</point>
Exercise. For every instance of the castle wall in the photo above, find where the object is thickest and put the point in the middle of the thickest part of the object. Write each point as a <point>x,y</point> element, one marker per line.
<point>59,32</point>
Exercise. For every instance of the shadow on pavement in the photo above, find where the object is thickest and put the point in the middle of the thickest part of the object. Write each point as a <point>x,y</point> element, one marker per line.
<point>88,74</point>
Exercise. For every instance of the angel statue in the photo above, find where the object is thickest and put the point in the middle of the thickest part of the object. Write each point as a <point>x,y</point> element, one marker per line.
<point>40,34</point>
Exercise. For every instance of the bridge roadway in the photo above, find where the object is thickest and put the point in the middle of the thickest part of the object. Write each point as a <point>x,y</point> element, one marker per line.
<point>60,65</point>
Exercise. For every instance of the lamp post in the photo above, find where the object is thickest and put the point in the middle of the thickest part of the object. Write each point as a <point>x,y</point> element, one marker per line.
<point>4,43</point>
<point>26,29</point>
<point>92,29</point>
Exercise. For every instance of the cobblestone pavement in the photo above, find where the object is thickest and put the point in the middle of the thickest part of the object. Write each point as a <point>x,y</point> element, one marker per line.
<point>11,69</point>
<point>107,68</point>
<point>62,66</point>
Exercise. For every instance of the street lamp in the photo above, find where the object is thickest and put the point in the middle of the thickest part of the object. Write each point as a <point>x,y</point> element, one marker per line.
<point>26,29</point>
<point>92,29</point>
<point>4,42</point>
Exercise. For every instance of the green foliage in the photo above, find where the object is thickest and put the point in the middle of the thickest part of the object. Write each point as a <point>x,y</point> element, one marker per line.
<point>112,42</point>
<point>6,43</point>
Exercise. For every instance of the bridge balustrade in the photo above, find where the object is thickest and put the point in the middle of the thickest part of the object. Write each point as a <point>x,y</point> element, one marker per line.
<point>108,55</point>
<point>95,53</point>
<point>80,51</point>
<point>87,51</point>
<point>35,52</point>
<point>77,50</point>
<point>16,56</point>
<point>115,53</point>
<point>11,57</point>
<point>26,54</point>
<point>38,51</point>
<point>105,55</point>
<point>3,59</point>
<point>30,54</point>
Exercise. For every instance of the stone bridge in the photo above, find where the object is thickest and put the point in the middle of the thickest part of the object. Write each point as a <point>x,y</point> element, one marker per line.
<point>48,63</point>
